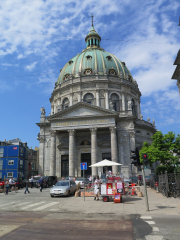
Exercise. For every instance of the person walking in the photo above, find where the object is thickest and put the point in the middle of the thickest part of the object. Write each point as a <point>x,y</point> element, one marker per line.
<point>6,186</point>
<point>31,182</point>
<point>27,184</point>
<point>96,188</point>
<point>41,183</point>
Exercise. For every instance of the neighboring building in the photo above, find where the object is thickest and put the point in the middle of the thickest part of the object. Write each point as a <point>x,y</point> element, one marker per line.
<point>32,163</point>
<point>95,115</point>
<point>13,159</point>
<point>37,164</point>
<point>176,74</point>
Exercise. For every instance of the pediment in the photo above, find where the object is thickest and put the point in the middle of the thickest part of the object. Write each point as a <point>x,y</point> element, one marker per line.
<point>82,109</point>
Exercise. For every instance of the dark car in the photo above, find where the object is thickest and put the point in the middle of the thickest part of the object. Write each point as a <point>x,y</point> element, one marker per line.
<point>50,181</point>
<point>147,180</point>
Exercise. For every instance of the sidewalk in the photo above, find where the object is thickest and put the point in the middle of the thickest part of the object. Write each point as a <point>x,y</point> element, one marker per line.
<point>158,205</point>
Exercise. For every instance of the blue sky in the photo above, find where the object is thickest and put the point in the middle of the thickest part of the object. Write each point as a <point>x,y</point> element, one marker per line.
<point>38,37</point>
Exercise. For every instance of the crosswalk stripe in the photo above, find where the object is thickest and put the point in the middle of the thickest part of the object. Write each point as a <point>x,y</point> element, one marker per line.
<point>2,205</point>
<point>146,217</point>
<point>45,206</point>
<point>153,237</point>
<point>155,229</point>
<point>150,222</point>
<point>20,204</point>
<point>31,205</point>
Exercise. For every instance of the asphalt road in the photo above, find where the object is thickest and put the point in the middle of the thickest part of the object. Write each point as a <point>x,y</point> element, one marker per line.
<point>38,216</point>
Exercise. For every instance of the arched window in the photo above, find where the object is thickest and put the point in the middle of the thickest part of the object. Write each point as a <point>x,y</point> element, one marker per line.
<point>65,103</point>
<point>89,98</point>
<point>88,71</point>
<point>85,142</point>
<point>112,72</point>
<point>66,77</point>
<point>114,102</point>
<point>133,107</point>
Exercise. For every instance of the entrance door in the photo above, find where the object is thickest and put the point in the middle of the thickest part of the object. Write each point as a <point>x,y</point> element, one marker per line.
<point>86,157</point>
<point>108,157</point>
<point>64,165</point>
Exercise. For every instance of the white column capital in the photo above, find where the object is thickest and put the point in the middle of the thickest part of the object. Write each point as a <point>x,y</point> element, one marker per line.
<point>112,129</point>
<point>71,132</point>
<point>93,130</point>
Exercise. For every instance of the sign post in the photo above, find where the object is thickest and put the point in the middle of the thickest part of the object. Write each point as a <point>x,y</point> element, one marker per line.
<point>84,167</point>
<point>145,189</point>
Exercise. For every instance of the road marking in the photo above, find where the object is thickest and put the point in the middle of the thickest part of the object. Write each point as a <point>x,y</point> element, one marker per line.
<point>150,222</point>
<point>45,206</point>
<point>19,204</point>
<point>146,217</point>
<point>31,205</point>
<point>2,205</point>
<point>155,229</point>
<point>153,237</point>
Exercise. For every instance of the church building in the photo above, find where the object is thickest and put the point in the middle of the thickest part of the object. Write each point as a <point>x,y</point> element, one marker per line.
<point>95,115</point>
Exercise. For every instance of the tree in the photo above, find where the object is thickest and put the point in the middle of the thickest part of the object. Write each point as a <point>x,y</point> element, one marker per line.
<point>165,149</point>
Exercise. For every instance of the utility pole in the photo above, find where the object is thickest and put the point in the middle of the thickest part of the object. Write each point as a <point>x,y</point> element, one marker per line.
<point>145,163</point>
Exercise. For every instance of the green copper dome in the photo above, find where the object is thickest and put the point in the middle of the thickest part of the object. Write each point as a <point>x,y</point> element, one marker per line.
<point>93,60</point>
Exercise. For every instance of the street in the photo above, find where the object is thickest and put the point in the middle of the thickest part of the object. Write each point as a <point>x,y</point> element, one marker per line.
<point>39,216</point>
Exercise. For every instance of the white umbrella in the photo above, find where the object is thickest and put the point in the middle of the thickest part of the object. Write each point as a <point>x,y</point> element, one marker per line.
<point>105,163</point>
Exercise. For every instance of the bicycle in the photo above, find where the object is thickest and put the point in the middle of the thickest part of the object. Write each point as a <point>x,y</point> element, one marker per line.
<point>164,191</point>
<point>175,192</point>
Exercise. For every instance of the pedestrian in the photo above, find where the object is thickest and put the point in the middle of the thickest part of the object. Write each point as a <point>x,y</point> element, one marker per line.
<point>45,183</point>
<point>70,178</point>
<point>10,183</point>
<point>27,184</point>
<point>31,180</point>
<point>96,188</point>
<point>41,183</point>
<point>7,186</point>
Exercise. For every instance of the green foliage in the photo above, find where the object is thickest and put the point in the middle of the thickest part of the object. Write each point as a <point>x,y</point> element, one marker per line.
<point>165,149</point>
<point>162,169</point>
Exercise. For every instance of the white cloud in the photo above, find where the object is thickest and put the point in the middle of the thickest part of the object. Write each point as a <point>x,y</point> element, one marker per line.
<point>20,56</point>
<point>31,66</point>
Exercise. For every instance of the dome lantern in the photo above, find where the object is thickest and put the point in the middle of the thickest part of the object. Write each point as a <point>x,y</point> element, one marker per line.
<point>93,39</point>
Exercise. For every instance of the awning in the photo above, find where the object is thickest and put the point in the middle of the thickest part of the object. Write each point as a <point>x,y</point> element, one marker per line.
<point>105,163</point>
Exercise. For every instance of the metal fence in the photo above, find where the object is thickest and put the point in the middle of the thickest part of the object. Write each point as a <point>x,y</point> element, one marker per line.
<point>166,181</point>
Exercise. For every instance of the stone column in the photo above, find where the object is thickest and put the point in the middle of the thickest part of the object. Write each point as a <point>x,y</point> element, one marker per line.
<point>123,102</point>
<point>52,109</point>
<point>70,99</point>
<point>133,147</point>
<point>106,99</point>
<point>53,154</point>
<point>114,155</point>
<point>94,149</point>
<point>71,153</point>
<point>41,156</point>
<point>97,98</point>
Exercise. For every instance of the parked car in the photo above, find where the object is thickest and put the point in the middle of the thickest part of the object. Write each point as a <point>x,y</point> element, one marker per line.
<point>147,180</point>
<point>50,181</point>
<point>63,188</point>
<point>82,182</point>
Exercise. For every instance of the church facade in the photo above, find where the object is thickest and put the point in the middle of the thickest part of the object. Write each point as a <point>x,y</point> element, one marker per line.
<point>95,115</point>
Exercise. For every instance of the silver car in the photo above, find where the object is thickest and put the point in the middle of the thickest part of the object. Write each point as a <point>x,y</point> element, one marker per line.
<point>63,188</point>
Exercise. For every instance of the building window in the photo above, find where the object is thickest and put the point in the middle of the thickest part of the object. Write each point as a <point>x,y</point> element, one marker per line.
<point>148,133</point>
<point>65,103</point>
<point>109,58</point>
<point>22,150</point>
<point>0,175</point>
<point>10,174</point>
<point>114,102</point>
<point>11,162</point>
<point>138,131</point>
<point>88,57</point>
<point>66,77</point>
<point>89,98</point>
<point>21,162</point>
<point>88,71</point>
<point>70,62</point>
<point>85,143</point>
<point>112,72</point>
<point>1,164</point>
<point>1,152</point>
<point>133,108</point>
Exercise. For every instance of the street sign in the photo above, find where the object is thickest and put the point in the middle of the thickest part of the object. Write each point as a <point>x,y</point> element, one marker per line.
<point>84,166</point>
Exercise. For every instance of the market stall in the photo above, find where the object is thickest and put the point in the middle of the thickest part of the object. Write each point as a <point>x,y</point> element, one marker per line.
<point>113,186</point>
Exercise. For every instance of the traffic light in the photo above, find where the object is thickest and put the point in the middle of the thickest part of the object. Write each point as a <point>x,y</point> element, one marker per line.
<point>134,157</point>
<point>137,157</point>
<point>145,159</point>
